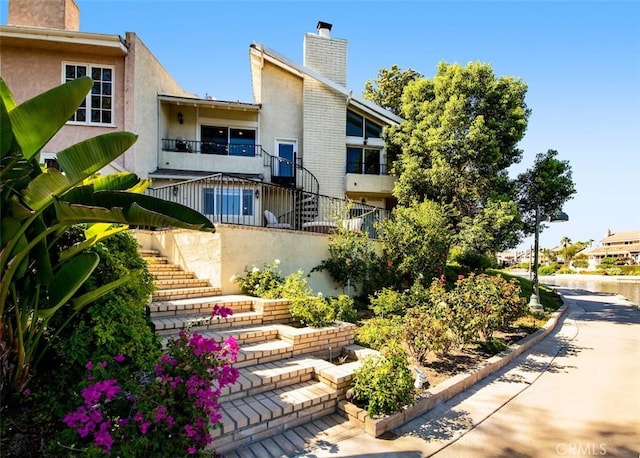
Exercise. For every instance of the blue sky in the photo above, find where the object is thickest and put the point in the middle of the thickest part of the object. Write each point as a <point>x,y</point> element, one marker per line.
<point>581,61</point>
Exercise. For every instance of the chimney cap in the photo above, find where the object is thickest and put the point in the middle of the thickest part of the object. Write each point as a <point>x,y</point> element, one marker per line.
<point>324,25</point>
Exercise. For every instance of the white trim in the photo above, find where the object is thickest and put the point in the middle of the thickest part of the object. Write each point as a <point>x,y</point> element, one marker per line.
<point>88,108</point>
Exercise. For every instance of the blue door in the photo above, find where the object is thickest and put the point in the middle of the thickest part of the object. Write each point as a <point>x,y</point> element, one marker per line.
<point>286,152</point>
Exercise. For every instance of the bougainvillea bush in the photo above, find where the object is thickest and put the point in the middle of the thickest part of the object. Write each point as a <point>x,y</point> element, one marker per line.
<point>165,413</point>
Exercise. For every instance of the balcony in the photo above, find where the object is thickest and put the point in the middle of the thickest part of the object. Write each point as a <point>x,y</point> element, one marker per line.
<point>203,156</point>
<point>370,179</point>
<point>178,145</point>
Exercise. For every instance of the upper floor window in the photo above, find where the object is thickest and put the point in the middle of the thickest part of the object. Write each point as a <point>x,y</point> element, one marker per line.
<point>97,108</point>
<point>228,140</point>
<point>359,126</point>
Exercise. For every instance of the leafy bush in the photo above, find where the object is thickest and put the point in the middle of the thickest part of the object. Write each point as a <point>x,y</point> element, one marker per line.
<point>266,282</point>
<point>416,241</point>
<point>378,332</point>
<point>427,329</point>
<point>166,413</point>
<point>344,307</point>
<point>607,262</point>
<point>580,262</point>
<point>116,323</point>
<point>548,270</point>
<point>388,302</point>
<point>565,270</point>
<point>384,383</point>
<point>351,261</point>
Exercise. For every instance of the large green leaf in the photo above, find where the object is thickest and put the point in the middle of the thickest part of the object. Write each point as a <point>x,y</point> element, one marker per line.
<point>6,104</point>
<point>68,280</point>
<point>113,182</point>
<point>127,208</point>
<point>78,162</point>
<point>83,159</point>
<point>78,302</point>
<point>35,121</point>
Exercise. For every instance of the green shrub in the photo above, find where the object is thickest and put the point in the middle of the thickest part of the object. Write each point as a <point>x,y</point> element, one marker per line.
<point>428,329</point>
<point>378,332</point>
<point>566,270</point>
<point>548,270</point>
<point>388,302</point>
<point>344,307</point>
<point>580,262</point>
<point>630,270</point>
<point>384,383</point>
<point>607,262</point>
<point>614,271</point>
<point>266,282</point>
<point>315,311</point>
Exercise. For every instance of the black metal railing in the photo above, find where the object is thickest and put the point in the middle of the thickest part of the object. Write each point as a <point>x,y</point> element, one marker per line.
<point>367,169</point>
<point>205,147</point>
<point>291,173</point>
<point>232,200</point>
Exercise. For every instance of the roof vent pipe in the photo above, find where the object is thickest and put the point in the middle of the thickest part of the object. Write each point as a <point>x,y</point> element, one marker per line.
<point>324,29</point>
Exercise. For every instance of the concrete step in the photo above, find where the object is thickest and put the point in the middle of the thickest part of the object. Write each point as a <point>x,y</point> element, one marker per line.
<point>185,293</point>
<point>260,378</point>
<point>245,335</point>
<point>199,305</point>
<point>170,325</point>
<point>175,283</point>
<point>253,418</point>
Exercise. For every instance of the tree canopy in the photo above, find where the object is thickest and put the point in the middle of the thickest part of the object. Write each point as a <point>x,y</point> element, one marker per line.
<point>459,138</point>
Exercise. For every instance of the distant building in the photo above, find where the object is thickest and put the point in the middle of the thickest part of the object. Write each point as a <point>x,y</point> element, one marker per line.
<point>625,246</point>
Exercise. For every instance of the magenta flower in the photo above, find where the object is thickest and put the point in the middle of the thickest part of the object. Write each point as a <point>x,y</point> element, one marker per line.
<point>119,358</point>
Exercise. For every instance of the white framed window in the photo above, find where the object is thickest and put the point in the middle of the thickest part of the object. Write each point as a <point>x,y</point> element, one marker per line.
<point>228,201</point>
<point>97,108</point>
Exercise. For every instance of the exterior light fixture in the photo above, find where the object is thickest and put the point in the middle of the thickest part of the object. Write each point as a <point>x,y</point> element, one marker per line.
<point>534,302</point>
<point>180,118</point>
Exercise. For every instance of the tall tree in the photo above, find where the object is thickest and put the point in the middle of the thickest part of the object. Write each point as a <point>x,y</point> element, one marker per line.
<point>459,137</point>
<point>547,185</point>
<point>565,241</point>
<point>386,89</point>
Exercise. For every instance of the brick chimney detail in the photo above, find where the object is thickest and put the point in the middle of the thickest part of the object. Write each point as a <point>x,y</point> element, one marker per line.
<point>326,55</point>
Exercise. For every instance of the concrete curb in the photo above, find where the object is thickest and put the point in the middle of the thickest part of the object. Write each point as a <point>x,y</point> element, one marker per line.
<point>448,388</point>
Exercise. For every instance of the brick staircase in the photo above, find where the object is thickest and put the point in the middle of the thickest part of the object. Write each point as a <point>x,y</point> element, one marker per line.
<point>286,379</point>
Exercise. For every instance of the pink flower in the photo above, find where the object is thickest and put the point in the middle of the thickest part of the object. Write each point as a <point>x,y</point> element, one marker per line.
<point>192,450</point>
<point>118,358</point>
<point>89,365</point>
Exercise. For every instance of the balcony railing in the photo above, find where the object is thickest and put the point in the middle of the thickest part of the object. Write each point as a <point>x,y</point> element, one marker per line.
<point>367,169</point>
<point>204,147</point>
<point>231,200</point>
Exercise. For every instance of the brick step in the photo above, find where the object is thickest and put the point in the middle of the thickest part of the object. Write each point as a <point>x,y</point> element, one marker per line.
<point>173,275</point>
<point>175,283</point>
<point>263,352</point>
<point>160,268</point>
<point>245,335</point>
<point>186,293</point>
<point>169,325</point>
<point>199,305</point>
<point>253,418</point>
<point>144,252</point>
<point>270,376</point>
<point>155,259</point>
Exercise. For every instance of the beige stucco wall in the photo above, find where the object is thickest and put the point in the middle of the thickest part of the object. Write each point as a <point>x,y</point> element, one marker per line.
<point>18,65</point>
<point>281,116</point>
<point>220,256</point>
<point>145,78</point>
<point>56,14</point>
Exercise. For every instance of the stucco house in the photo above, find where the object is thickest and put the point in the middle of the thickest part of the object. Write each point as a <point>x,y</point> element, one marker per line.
<point>279,161</point>
<point>625,246</point>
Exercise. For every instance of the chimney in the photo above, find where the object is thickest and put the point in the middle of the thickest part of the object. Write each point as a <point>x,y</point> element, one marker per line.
<point>326,55</point>
<point>49,14</point>
<point>324,29</point>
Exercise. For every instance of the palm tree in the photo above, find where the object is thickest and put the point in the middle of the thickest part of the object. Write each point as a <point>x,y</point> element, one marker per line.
<point>565,241</point>
<point>37,206</point>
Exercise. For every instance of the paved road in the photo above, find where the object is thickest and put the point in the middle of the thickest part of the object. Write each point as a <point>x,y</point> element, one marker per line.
<point>576,393</point>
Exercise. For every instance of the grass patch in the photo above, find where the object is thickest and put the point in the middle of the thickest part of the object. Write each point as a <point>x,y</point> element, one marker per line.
<point>549,298</point>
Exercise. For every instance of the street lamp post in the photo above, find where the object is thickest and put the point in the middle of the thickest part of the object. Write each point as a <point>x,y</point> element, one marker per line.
<point>534,302</point>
